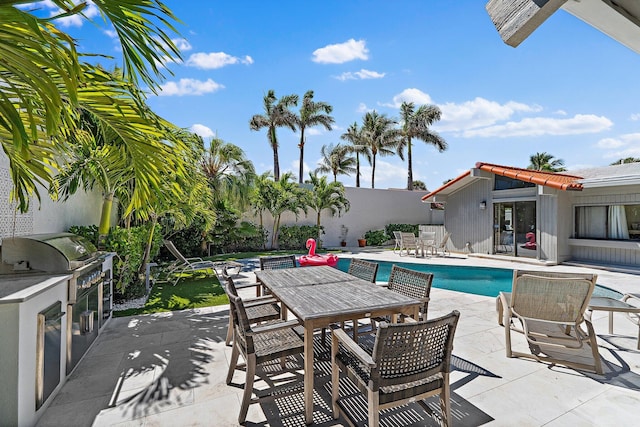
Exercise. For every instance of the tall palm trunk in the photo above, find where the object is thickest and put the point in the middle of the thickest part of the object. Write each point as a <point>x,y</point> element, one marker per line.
<point>274,236</point>
<point>373,171</point>
<point>105,219</point>
<point>318,225</point>
<point>276,163</point>
<point>301,166</point>
<point>409,166</point>
<point>147,249</point>
<point>357,170</point>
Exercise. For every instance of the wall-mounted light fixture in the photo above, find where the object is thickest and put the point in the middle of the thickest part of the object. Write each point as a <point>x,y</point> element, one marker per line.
<point>483,205</point>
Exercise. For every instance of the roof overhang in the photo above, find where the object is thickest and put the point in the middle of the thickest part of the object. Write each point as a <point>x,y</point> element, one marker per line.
<point>610,182</point>
<point>515,20</point>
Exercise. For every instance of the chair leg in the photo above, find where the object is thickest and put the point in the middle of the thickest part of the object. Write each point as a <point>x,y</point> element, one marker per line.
<point>445,401</point>
<point>233,362</point>
<point>335,378</point>
<point>248,389</point>
<point>229,337</point>
<point>594,348</point>
<point>373,408</point>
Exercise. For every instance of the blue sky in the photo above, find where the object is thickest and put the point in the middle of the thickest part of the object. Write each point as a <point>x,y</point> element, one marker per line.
<point>568,89</point>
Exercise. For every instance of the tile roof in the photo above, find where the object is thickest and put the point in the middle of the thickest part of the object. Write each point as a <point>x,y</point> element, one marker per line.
<point>556,180</point>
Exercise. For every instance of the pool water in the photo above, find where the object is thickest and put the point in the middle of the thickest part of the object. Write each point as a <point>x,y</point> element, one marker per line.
<point>485,281</point>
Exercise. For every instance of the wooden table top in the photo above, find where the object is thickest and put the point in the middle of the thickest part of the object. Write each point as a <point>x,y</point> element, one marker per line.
<point>328,293</point>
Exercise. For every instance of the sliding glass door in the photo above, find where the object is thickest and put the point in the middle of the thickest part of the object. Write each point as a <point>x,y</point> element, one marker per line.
<point>514,229</point>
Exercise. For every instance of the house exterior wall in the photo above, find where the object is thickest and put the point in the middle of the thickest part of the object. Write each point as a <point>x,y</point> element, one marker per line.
<point>371,209</point>
<point>605,251</point>
<point>466,222</point>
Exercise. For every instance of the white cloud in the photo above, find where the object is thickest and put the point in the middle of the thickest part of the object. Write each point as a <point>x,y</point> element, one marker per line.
<point>189,87</point>
<point>76,20</point>
<point>621,141</point>
<point>202,130</point>
<point>635,117</point>
<point>111,33</point>
<point>609,143</point>
<point>479,112</point>
<point>414,95</point>
<point>213,60</point>
<point>341,52</point>
<point>561,113</point>
<point>312,132</point>
<point>360,75</point>
<point>537,126</point>
<point>386,174</point>
<point>182,44</point>
<point>362,108</point>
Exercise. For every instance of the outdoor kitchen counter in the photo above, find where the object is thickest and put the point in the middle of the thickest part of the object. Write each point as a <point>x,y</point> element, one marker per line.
<point>22,287</point>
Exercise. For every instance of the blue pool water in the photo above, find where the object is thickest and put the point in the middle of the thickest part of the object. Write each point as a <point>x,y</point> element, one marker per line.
<point>472,280</point>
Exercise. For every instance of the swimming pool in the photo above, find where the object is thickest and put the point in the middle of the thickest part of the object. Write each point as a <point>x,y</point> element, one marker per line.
<point>486,281</point>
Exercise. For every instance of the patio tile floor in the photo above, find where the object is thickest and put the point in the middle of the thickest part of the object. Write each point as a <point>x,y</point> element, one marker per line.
<point>169,370</point>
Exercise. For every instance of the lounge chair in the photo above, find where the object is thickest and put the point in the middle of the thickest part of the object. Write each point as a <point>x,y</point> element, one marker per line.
<point>260,309</point>
<point>184,265</point>
<point>441,248</point>
<point>258,344</point>
<point>398,241</point>
<point>407,362</point>
<point>551,309</point>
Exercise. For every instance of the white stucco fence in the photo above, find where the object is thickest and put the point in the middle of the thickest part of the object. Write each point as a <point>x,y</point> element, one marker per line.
<point>371,209</point>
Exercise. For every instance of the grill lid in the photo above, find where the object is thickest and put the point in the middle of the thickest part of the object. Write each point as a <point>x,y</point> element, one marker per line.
<point>49,252</point>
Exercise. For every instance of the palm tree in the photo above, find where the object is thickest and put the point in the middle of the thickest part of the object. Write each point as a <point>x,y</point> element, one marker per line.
<point>379,134</point>
<point>419,185</point>
<point>546,162</point>
<point>626,160</point>
<point>229,173</point>
<point>353,136</point>
<point>286,196</point>
<point>45,84</point>
<point>312,113</point>
<point>326,196</point>
<point>276,114</point>
<point>335,160</point>
<point>262,195</point>
<point>415,124</point>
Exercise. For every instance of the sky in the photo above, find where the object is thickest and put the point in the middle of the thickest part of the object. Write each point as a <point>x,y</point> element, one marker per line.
<point>568,90</point>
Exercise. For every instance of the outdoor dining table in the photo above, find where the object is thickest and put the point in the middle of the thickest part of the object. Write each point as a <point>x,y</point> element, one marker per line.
<point>320,296</point>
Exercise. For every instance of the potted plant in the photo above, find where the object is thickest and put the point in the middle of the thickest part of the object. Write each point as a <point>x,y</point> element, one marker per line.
<point>343,235</point>
<point>362,241</point>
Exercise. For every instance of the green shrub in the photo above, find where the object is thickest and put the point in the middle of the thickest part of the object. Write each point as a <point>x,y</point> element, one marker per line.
<point>405,228</point>
<point>376,237</point>
<point>296,236</point>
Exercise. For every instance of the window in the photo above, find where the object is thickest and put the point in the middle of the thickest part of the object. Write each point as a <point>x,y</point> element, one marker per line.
<point>612,222</point>
<point>504,183</point>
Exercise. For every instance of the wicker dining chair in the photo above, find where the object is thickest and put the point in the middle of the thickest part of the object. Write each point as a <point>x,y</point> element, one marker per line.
<point>259,309</point>
<point>365,270</point>
<point>259,344</point>
<point>415,284</point>
<point>275,262</point>
<point>408,362</point>
<point>549,309</point>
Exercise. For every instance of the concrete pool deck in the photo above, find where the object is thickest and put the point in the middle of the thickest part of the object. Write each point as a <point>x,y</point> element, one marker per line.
<point>169,369</point>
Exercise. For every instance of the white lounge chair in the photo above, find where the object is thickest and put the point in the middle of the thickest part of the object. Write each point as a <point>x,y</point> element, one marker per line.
<point>184,265</point>
<point>408,242</point>
<point>441,248</point>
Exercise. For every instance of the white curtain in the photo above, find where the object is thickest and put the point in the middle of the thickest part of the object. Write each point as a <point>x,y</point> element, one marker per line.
<point>618,223</point>
<point>592,222</point>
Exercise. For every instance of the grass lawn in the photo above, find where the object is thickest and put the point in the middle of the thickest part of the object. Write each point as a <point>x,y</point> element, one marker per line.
<point>190,292</point>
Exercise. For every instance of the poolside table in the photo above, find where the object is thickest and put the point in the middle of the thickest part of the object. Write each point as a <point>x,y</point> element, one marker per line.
<point>613,305</point>
<point>320,296</point>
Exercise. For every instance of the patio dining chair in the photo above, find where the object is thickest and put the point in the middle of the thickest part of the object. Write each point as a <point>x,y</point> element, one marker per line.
<point>259,344</point>
<point>408,362</point>
<point>408,242</point>
<point>551,309</point>
<point>260,309</point>
<point>365,270</point>
<point>182,265</point>
<point>415,284</point>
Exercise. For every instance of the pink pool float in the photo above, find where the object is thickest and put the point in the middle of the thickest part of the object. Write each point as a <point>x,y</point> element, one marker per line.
<point>314,259</point>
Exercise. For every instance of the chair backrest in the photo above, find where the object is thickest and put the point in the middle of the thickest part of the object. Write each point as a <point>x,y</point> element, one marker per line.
<point>428,235</point>
<point>444,241</point>
<point>174,251</point>
<point>398,236</point>
<point>415,284</point>
<point>277,262</point>
<point>241,323</point>
<point>408,239</point>
<point>363,269</point>
<point>554,297</point>
<point>407,352</point>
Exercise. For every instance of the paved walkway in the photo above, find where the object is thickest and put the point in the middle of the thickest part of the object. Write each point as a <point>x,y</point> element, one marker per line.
<point>169,370</point>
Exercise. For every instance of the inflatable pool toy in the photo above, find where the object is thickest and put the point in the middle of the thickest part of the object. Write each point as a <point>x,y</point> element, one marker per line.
<point>314,259</point>
<point>531,241</point>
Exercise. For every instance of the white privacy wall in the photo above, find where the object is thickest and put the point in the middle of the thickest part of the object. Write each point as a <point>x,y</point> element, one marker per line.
<point>47,216</point>
<point>371,209</point>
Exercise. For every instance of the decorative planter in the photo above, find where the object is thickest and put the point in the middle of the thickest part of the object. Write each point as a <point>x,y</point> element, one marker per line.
<point>343,243</point>
<point>362,242</point>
